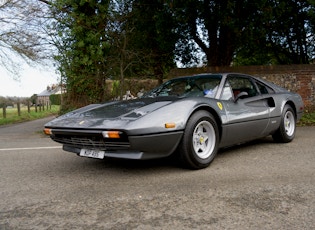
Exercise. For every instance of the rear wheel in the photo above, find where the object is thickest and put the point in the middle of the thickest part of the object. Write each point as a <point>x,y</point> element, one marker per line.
<point>200,141</point>
<point>286,131</point>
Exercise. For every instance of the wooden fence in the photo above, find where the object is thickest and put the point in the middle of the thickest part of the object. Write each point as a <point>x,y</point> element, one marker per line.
<point>37,108</point>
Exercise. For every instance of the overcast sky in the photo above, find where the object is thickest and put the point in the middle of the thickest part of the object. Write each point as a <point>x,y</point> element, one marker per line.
<point>32,81</point>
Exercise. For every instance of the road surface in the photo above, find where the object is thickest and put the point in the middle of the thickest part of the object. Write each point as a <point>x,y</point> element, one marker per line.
<point>260,185</point>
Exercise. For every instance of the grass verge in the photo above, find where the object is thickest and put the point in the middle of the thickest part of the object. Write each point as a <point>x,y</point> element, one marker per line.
<point>12,114</point>
<point>308,119</point>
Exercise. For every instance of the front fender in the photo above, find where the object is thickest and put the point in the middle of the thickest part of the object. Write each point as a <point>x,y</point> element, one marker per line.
<point>177,112</point>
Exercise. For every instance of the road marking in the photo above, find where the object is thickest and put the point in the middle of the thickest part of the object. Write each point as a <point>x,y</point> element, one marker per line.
<point>32,148</point>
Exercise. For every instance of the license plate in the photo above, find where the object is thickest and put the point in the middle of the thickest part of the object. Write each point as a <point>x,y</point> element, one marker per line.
<point>92,153</point>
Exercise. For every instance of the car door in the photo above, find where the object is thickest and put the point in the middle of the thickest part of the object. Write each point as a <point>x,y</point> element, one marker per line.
<point>247,115</point>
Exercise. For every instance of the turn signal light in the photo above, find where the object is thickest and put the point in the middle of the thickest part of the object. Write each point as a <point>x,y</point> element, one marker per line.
<point>47,131</point>
<point>111,134</point>
<point>170,125</point>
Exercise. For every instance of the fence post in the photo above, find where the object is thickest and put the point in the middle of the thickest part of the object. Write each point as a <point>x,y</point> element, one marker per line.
<point>4,110</point>
<point>28,107</point>
<point>19,108</point>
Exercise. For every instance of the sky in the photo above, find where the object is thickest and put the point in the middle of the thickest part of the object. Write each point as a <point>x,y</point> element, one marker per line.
<point>32,80</point>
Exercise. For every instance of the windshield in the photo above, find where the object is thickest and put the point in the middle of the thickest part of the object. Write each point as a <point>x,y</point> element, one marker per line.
<point>199,86</point>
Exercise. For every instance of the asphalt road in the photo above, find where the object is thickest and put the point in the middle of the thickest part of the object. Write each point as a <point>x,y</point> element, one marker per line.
<point>260,185</point>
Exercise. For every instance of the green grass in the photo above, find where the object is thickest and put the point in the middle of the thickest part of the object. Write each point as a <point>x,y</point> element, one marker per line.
<point>12,114</point>
<point>308,119</point>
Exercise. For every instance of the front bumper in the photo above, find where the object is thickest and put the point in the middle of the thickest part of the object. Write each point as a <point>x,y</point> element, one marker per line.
<point>148,146</point>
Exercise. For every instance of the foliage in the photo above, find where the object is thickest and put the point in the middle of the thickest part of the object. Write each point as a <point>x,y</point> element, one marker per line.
<point>214,26</point>
<point>100,40</point>
<point>55,99</point>
<point>33,99</point>
<point>245,32</point>
<point>308,119</point>
<point>154,35</point>
<point>121,56</point>
<point>115,89</point>
<point>82,48</point>
<point>281,32</point>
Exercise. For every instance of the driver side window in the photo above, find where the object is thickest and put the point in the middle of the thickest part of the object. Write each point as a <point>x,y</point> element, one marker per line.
<point>234,85</point>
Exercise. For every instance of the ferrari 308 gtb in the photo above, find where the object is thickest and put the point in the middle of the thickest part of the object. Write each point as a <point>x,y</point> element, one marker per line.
<point>193,116</point>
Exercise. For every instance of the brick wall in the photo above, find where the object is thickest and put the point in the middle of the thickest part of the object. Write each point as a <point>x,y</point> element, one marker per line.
<point>296,78</point>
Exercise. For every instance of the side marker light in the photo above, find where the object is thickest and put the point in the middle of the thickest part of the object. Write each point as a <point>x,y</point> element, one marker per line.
<point>170,125</point>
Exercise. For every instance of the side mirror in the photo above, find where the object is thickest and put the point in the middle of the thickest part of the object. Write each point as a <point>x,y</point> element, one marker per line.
<point>240,95</point>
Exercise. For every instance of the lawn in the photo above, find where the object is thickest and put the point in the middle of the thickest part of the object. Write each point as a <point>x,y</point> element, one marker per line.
<point>13,117</point>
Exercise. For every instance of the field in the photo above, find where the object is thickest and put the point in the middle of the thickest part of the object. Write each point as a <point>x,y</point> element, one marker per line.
<point>13,117</point>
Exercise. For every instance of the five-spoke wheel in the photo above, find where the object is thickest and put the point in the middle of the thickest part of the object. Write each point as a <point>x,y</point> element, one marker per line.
<point>200,141</point>
<point>286,131</point>
<point>204,139</point>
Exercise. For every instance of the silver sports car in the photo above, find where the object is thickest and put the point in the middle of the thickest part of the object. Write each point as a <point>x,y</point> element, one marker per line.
<point>193,116</point>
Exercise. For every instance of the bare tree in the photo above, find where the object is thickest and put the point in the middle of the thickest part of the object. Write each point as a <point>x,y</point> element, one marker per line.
<point>23,33</point>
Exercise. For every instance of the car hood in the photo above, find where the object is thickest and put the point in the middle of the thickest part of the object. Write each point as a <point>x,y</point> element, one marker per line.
<point>115,114</point>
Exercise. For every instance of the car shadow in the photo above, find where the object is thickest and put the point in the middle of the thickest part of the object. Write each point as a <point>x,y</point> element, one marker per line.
<point>246,145</point>
<point>167,164</point>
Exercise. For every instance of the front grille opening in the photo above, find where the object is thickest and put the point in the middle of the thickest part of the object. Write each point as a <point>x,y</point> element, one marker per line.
<point>91,141</point>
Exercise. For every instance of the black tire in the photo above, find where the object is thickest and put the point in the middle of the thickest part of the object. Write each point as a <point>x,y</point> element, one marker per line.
<point>286,131</point>
<point>200,141</point>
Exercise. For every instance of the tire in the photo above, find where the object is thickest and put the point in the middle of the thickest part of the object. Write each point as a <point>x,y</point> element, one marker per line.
<point>286,131</point>
<point>200,141</point>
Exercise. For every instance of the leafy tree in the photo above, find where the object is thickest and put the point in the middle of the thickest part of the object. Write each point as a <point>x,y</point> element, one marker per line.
<point>111,39</point>
<point>82,47</point>
<point>282,32</point>
<point>33,99</point>
<point>2,102</point>
<point>215,26</point>
<point>289,33</point>
<point>122,57</point>
<point>154,36</point>
<point>245,32</point>
<point>311,14</point>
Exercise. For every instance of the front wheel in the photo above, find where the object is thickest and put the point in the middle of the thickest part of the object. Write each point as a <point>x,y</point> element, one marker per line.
<point>286,131</point>
<point>199,144</point>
